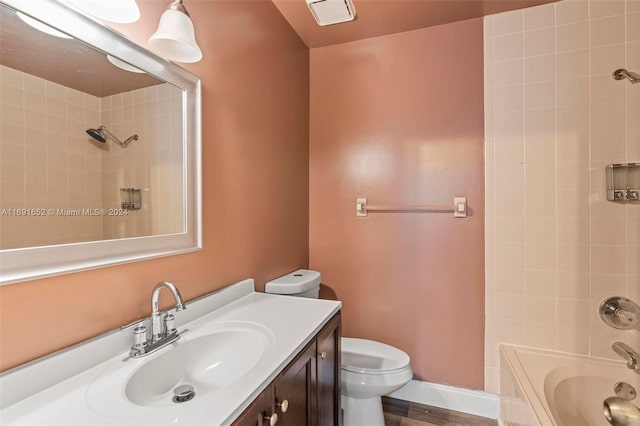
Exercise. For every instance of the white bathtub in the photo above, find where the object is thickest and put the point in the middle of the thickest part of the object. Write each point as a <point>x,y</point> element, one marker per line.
<point>546,388</point>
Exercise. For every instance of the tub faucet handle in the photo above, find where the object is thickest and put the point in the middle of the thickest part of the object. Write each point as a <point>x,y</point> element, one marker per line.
<point>620,312</point>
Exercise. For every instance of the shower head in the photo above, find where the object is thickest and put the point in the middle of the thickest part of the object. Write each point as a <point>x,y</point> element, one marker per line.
<point>97,134</point>
<point>621,74</point>
<point>100,134</point>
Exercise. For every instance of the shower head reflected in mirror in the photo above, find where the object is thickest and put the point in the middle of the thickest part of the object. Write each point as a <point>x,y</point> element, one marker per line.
<point>97,135</point>
<point>621,74</point>
<point>100,134</point>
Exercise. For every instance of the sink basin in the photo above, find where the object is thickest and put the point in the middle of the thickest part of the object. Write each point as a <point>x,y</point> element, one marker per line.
<point>207,363</point>
<point>210,360</point>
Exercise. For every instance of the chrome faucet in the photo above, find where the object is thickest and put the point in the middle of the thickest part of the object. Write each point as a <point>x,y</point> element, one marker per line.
<point>159,330</point>
<point>627,353</point>
<point>163,330</point>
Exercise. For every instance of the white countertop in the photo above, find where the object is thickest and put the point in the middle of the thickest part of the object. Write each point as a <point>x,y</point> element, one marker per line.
<point>291,322</point>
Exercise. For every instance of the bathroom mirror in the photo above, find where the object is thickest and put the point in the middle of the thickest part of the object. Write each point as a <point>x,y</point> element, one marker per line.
<point>99,146</point>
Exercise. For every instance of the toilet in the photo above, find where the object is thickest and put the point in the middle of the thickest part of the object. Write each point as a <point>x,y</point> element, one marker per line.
<point>369,369</point>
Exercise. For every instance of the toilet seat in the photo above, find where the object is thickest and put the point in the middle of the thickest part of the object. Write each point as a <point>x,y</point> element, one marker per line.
<point>369,357</point>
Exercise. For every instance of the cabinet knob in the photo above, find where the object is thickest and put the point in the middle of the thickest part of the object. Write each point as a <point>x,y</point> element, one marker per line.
<point>323,355</point>
<point>284,405</point>
<point>272,419</point>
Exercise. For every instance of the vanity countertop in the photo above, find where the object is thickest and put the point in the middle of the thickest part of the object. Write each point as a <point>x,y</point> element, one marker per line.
<point>291,322</point>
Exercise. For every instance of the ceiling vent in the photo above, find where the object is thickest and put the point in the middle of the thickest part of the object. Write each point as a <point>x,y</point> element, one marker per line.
<point>328,12</point>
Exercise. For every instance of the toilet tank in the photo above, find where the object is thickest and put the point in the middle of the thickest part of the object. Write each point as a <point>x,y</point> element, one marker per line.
<point>300,283</point>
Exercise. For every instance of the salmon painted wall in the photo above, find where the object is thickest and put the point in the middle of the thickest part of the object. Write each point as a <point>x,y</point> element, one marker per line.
<point>399,119</point>
<point>255,78</point>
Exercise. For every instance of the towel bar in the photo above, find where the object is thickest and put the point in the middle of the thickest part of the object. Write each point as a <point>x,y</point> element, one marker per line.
<point>459,208</point>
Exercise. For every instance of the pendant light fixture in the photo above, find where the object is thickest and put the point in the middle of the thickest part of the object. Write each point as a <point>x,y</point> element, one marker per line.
<point>121,11</point>
<point>175,38</point>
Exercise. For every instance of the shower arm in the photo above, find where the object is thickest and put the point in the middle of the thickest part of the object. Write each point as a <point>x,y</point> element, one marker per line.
<point>621,74</point>
<point>115,138</point>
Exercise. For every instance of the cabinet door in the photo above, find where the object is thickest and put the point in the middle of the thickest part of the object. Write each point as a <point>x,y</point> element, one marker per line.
<point>295,392</point>
<point>260,408</point>
<point>328,375</point>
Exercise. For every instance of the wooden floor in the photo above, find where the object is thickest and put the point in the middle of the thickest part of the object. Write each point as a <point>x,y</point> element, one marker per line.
<point>403,413</point>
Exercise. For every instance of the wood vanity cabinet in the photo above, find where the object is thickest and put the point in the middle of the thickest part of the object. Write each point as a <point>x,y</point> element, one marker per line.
<point>328,374</point>
<point>259,408</point>
<point>307,391</point>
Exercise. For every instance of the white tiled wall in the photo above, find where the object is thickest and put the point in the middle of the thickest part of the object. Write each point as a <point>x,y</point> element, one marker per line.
<point>47,161</point>
<point>554,117</point>
<point>152,163</point>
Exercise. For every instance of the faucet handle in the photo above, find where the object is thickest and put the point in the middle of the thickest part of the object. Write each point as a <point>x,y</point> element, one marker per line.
<point>620,312</point>
<point>139,337</point>
<point>169,324</point>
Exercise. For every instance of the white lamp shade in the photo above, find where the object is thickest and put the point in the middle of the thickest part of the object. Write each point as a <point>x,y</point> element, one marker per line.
<point>122,11</point>
<point>175,38</point>
<point>123,65</point>
<point>34,23</point>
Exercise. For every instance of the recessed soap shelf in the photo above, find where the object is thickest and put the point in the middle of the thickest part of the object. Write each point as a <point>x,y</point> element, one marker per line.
<point>623,182</point>
<point>131,198</point>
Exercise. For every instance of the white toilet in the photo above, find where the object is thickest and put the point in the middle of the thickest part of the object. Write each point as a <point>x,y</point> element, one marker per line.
<point>369,369</point>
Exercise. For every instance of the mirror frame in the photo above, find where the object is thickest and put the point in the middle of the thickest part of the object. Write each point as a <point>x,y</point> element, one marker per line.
<point>29,263</point>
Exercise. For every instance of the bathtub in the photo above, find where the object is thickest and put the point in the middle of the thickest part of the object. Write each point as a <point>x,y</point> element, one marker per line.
<point>546,388</point>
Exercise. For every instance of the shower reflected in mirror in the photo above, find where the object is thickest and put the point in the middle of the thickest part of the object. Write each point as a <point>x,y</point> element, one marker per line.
<point>621,74</point>
<point>100,134</point>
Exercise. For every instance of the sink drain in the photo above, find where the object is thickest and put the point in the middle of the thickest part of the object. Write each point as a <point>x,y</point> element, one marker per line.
<point>183,393</point>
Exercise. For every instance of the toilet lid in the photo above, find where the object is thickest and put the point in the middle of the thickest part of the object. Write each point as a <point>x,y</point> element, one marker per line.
<point>368,356</point>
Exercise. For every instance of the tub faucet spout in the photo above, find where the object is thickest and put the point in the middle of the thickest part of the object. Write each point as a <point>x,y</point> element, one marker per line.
<point>627,353</point>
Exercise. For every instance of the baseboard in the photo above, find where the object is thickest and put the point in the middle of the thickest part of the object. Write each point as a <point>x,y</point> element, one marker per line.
<point>451,398</point>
